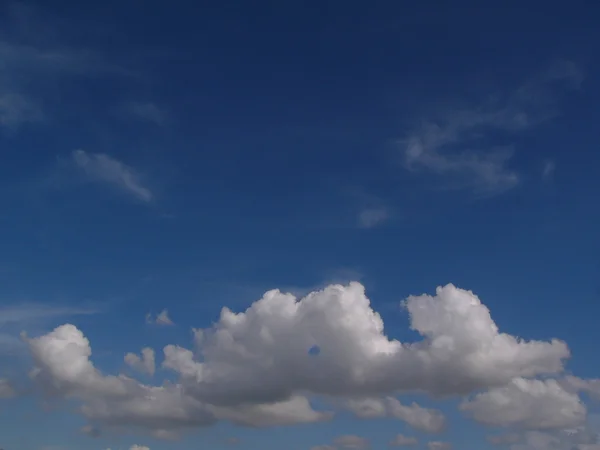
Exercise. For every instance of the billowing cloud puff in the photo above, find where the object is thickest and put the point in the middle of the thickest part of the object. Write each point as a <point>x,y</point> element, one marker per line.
<point>263,353</point>
<point>260,367</point>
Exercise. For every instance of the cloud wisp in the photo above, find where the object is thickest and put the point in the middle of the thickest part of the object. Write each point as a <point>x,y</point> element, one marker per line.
<point>457,146</point>
<point>16,318</point>
<point>102,168</point>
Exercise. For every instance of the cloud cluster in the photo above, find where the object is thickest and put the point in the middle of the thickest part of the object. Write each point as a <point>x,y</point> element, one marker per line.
<point>258,368</point>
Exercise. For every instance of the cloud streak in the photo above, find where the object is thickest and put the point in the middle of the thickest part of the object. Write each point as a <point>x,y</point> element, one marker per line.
<point>102,168</point>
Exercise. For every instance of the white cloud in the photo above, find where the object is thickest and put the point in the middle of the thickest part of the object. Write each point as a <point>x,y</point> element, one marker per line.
<point>99,167</point>
<point>139,447</point>
<point>531,404</point>
<point>145,364</point>
<point>401,441</point>
<point>423,419</point>
<point>254,368</point>
<point>351,441</point>
<point>456,146</point>
<point>590,387</point>
<point>161,319</point>
<point>323,447</point>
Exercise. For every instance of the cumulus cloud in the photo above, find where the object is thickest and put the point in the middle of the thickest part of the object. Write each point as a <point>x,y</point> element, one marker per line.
<point>139,447</point>
<point>401,441</point>
<point>145,363</point>
<point>531,404</point>
<point>590,387</point>
<point>102,168</point>
<point>423,419</point>
<point>457,147</point>
<point>256,368</point>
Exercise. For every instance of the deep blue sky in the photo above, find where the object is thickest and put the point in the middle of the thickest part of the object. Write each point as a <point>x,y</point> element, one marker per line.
<point>228,148</point>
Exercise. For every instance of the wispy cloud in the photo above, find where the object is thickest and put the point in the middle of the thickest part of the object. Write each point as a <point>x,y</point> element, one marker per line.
<point>147,111</point>
<point>372,217</point>
<point>100,167</point>
<point>15,319</point>
<point>32,55</point>
<point>548,169</point>
<point>459,146</point>
<point>16,109</point>
<point>31,312</point>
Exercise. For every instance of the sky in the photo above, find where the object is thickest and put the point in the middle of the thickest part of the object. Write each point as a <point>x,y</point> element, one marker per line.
<point>304,225</point>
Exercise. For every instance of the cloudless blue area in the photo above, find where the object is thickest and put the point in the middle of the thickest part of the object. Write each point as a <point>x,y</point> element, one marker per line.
<point>281,118</point>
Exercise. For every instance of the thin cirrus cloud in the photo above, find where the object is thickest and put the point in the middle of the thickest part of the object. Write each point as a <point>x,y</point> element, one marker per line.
<point>254,368</point>
<point>456,145</point>
<point>40,63</point>
<point>104,169</point>
<point>18,317</point>
<point>146,112</point>
<point>372,217</point>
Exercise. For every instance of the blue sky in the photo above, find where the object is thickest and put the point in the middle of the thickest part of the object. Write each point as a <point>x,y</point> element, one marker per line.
<point>162,161</point>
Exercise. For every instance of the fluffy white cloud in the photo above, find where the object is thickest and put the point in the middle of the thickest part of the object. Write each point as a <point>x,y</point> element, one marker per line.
<point>400,441</point>
<point>139,447</point>
<point>145,364</point>
<point>532,404</point>
<point>256,368</point>
<point>423,419</point>
<point>263,354</point>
